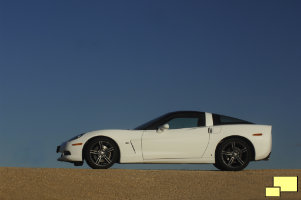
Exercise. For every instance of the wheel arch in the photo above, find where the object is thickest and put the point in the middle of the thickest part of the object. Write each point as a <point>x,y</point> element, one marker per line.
<point>101,136</point>
<point>239,137</point>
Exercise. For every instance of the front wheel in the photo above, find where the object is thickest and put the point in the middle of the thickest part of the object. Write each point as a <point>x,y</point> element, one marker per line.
<point>101,153</point>
<point>233,154</point>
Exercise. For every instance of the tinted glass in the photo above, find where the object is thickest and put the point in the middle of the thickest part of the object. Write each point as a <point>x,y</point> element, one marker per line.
<point>222,120</point>
<point>177,123</point>
<point>150,123</point>
<point>155,123</point>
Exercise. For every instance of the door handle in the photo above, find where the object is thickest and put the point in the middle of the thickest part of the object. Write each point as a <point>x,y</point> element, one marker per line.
<point>209,130</point>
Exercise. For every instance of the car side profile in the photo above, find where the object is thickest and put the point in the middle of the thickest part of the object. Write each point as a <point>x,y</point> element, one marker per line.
<point>177,137</point>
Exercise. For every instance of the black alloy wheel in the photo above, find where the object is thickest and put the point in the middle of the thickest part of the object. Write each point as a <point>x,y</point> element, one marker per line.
<point>101,153</point>
<point>233,154</point>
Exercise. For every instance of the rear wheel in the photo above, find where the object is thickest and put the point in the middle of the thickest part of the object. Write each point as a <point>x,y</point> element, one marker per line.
<point>233,154</point>
<point>217,166</point>
<point>101,153</point>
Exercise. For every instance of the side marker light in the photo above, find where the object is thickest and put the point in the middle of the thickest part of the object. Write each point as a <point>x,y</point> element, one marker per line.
<point>77,144</point>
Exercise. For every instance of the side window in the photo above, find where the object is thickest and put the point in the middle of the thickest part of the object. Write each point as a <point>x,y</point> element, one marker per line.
<point>177,123</point>
<point>223,120</point>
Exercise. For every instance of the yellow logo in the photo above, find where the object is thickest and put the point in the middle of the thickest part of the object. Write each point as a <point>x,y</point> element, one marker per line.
<point>282,184</point>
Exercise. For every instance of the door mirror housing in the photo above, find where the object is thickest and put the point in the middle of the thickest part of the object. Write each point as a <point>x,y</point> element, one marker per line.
<point>163,127</point>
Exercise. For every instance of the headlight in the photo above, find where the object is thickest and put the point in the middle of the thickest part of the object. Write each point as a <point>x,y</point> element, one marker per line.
<point>76,137</point>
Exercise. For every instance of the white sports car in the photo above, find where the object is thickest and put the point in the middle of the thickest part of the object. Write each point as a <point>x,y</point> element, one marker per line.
<point>177,137</point>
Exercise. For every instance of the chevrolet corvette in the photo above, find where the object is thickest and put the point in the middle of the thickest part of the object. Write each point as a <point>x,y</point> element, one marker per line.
<point>177,137</point>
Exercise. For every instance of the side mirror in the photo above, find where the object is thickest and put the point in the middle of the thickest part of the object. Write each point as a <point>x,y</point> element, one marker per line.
<point>163,127</point>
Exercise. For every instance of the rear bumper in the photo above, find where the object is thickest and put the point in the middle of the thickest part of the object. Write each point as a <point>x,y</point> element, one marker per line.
<point>268,157</point>
<point>263,144</point>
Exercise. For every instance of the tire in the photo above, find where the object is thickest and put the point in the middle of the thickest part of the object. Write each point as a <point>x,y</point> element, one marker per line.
<point>233,154</point>
<point>217,166</point>
<point>101,153</point>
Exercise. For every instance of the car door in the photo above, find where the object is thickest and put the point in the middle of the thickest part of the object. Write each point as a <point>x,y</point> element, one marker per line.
<point>186,138</point>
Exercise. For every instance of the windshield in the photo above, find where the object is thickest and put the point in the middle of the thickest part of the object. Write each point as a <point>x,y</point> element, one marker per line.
<point>149,123</point>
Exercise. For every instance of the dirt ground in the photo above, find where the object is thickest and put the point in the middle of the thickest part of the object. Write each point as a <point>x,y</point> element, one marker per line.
<point>119,184</point>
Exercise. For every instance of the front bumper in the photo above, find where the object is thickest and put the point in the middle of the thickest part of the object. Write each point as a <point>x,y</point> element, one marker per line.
<point>70,153</point>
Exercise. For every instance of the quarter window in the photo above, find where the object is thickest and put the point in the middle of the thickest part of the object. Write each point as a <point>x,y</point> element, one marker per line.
<point>223,120</point>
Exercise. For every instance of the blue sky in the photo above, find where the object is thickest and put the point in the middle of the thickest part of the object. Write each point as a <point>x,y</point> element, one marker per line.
<point>68,67</point>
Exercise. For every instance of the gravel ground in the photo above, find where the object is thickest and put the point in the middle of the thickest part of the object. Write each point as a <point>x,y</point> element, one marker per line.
<point>119,184</point>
